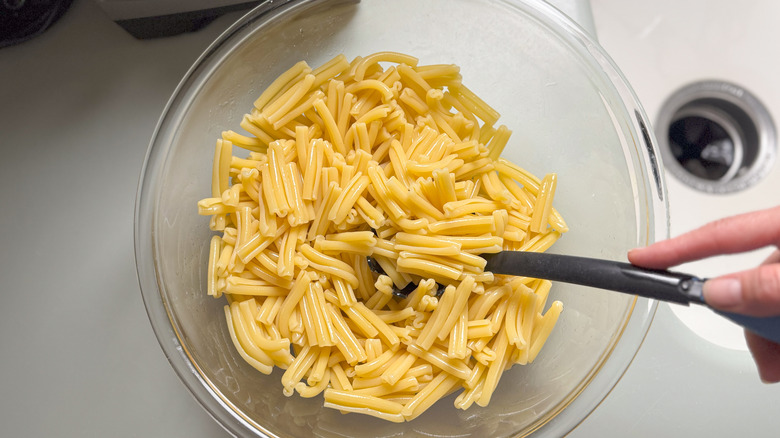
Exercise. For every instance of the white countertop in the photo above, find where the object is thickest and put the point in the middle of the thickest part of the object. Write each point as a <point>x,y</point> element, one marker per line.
<point>79,359</point>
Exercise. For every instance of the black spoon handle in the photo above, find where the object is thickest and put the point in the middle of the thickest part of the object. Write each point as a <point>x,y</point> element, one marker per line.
<point>621,277</point>
<point>602,274</point>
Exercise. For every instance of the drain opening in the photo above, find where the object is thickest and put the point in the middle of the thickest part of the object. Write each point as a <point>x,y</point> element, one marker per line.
<point>716,137</point>
<point>702,147</point>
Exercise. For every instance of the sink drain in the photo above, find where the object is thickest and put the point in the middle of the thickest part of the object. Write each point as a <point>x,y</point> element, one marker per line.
<point>716,137</point>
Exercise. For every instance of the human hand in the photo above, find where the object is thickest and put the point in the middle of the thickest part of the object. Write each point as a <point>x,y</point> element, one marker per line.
<point>753,292</point>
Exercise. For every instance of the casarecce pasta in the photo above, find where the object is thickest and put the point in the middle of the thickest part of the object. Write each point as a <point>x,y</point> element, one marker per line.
<point>378,157</point>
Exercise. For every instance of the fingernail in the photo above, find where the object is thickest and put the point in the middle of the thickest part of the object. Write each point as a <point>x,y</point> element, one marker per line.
<point>723,292</point>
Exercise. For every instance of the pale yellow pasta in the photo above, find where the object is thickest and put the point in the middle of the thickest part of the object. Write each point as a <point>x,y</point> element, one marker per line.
<point>433,391</point>
<point>436,321</point>
<point>371,367</point>
<point>304,359</point>
<point>339,379</point>
<point>344,292</point>
<point>389,266</point>
<point>478,106</point>
<point>543,329</point>
<point>215,247</point>
<point>313,171</point>
<point>398,368</point>
<point>382,296</point>
<point>251,287</point>
<point>366,404</point>
<point>279,84</point>
<point>307,391</point>
<point>478,328</point>
<point>344,203</point>
<point>363,326</point>
<point>405,385</point>
<point>430,269</point>
<point>320,318</point>
<point>438,358</point>
<point>246,335</point>
<point>394,57</point>
<point>384,331</point>
<point>268,310</point>
<point>308,318</point>
<point>393,316</point>
<point>383,158</point>
<point>331,127</point>
<point>319,224</point>
<point>346,341</point>
<point>457,337</point>
<point>425,288</point>
<point>264,366</point>
<point>286,102</point>
<point>459,306</point>
<point>277,349</point>
<point>292,300</point>
<point>543,205</point>
<point>496,367</point>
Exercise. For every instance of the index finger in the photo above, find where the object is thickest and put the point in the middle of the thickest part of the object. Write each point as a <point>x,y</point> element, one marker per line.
<point>730,235</point>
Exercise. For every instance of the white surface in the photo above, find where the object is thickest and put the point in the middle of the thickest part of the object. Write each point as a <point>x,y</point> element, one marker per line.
<point>77,109</point>
<point>664,45</point>
<point>578,10</point>
<point>693,375</point>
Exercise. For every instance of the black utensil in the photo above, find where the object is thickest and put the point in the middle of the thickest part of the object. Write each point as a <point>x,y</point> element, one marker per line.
<point>621,277</point>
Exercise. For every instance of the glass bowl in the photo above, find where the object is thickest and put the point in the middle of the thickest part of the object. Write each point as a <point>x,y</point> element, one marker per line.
<point>571,112</point>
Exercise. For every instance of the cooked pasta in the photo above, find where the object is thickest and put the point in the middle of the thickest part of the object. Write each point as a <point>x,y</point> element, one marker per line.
<point>383,158</point>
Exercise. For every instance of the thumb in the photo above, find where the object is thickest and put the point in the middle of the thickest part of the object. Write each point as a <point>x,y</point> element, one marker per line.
<point>766,354</point>
<point>754,292</point>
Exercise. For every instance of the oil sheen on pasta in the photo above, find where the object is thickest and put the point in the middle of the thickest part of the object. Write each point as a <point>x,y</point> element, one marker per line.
<point>385,158</point>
